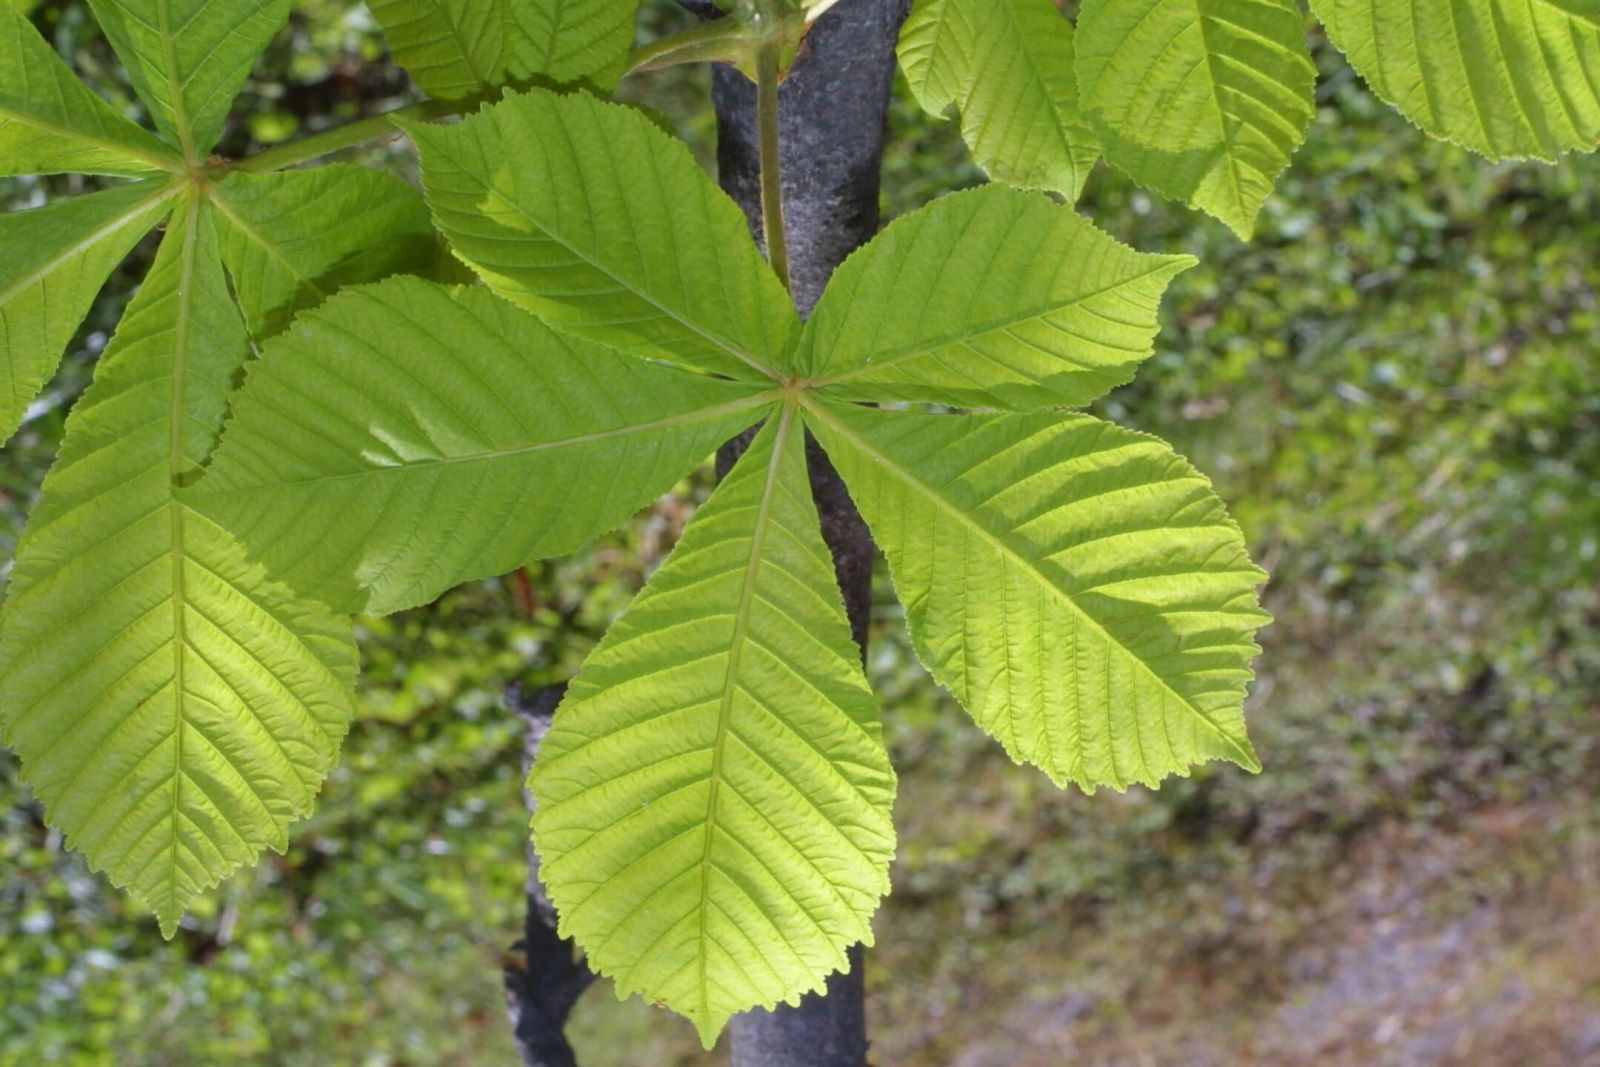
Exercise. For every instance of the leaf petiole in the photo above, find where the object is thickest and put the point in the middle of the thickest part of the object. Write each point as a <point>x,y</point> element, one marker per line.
<point>372,128</point>
<point>767,121</point>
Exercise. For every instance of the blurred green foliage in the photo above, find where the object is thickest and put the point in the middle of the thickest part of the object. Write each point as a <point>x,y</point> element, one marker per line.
<point>1398,388</point>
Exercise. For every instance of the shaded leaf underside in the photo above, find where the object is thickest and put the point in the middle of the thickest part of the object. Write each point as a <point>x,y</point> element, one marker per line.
<point>57,258</point>
<point>1007,66</point>
<point>1505,78</point>
<point>1201,100</point>
<point>188,59</point>
<point>51,123</point>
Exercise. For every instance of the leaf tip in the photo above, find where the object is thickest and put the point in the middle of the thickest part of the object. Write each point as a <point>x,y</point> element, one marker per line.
<point>709,1028</point>
<point>1243,754</point>
<point>169,918</point>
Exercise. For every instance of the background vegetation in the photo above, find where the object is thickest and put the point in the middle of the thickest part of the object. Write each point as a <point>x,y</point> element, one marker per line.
<point>1397,387</point>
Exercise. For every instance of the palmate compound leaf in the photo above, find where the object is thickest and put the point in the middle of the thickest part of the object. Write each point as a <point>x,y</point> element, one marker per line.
<point>1202,100</point>
<point>1077,586</point>
<point>453,49</point>
<point>987,298</point>
<point>53,261</point>
<point>1007,66</point>
<point>408,437</point>
<point>174,708</point>
<point>712,803</point>
<point>1505,78</point>
<point>457,49</point>
<point>962,319</point>
<point>50,122</point>
<point>606,227</point>
<point>188,58</point>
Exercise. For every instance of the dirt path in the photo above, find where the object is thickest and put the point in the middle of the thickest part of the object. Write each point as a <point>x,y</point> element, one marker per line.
<point>1453,951</point>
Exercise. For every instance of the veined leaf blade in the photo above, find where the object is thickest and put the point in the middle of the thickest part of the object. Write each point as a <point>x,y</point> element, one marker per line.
<point>607,228</point>
<point>458,49</point>
<point>1007,66</point>
<point>1078,587</point>
<point>291,239</point>
<point>188,59</point>
<point>453,49</point>
<point>1508,80</point>
<point>566,40</point>
<point>406,437</point>
<point>724,732</point>
<point>58,257</point>
<point>52,123</point>
<point>1204,101</point>
<point>987,298</point>
<point>174,709</point>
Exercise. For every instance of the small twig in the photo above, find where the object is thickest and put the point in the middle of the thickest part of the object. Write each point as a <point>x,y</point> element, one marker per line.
<point>719,40</point>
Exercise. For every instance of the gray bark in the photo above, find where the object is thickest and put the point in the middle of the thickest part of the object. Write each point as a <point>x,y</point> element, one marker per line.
<point>833,110</point>
<point>545,977</point>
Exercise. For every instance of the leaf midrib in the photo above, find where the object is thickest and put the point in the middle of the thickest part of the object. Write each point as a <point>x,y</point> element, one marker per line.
<point>1226,128</point>
<point>1040,83</point>
<point>826,417</point>
<point>695,328</point>
<point>483,79</point>
<point>100,233</point>
<point>175,414</point>
<point>705,414</point>
<point>129,152</point>
<point>938,21</point>
<point>741,625</point>
<point>254,235</point>
<point>903,353</point>
<point>169,61</point>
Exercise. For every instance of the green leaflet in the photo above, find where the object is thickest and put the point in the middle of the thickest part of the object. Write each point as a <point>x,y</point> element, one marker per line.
<point>1201,100</point>
<point>1505,78</point>
<point>453,49</point>
<point>990,297</point>
<point>407,437</point>
<point>457,49</point>
<point>56,259</point>
<point>1007,66</point>
<point>607,228</point>
<point>189,58</point>
<point>173,708</point>
<point>1079,588</point>
<point>566,40</point>
<point>50,122</point>
<point>291,239</point>
<point>713,799</point>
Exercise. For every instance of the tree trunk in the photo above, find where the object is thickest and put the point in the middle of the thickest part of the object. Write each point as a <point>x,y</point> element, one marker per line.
<point>545,977</point>
<point>833,110</point>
